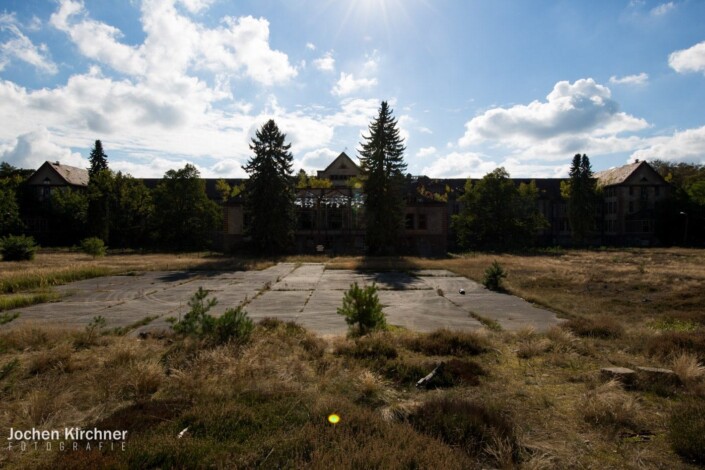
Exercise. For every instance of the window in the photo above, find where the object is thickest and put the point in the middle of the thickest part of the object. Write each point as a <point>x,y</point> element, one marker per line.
<point>409,222</point>
<point>422,222</point>
<point>657,191</point>
<point>631,190</point>
<point>631,206</point>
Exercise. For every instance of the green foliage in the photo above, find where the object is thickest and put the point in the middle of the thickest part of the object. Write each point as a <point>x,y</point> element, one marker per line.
<point>680,214</point>
<point>93,246</point>
<point>131,209</point>
<point>362,309</point>
<point>17,248</point>
<point>233,325</point>
<point>582,198</point>
<point>98,159</point>
<point>9,210</point>
<point>223,189</point>
<point>304,181</point>
<point>270,195</point>
<point>497,214</point>
<point>686,430</point>
<point>493,277</point>
<point>184,217</point>
<point>382,163</point>
<point>7,317</point>
<point>69,215</point>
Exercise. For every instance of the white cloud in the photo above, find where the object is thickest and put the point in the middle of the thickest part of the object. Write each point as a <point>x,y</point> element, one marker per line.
<point>426,152</point>
<point>348,84</point>
<point>175,44</point>
<point>688,60</point>
<point>638,79</point>
<point>32,149</point>
<point>326,62</point>
<point>687,145</point>
<point>662,9</point>
<point>195,6</point>
<point>317,159</point>
<point>20,47</point>
<point>459,165</point>
<point>310,46</point>
<point>575,117</point>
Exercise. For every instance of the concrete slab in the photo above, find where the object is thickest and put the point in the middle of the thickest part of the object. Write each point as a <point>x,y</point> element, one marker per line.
<point>306,293</point>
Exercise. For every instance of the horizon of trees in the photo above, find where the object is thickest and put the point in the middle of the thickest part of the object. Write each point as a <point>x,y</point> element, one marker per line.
<point>131,215</point>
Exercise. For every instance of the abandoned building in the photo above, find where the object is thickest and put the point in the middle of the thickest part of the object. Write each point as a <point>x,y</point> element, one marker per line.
<point>331,219</point>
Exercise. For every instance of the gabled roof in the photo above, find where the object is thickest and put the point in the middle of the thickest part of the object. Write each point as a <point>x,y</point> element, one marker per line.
<point>620,175</point>
<point>340,160</point>
<point>70,174</point>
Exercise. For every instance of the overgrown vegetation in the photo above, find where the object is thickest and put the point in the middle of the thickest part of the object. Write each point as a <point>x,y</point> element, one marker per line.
<point>93,246</point>
<point>362,309</point>
<point>233,325</point>
<point>18,248</point>
<point>537,398</point>
<point>494,276</point>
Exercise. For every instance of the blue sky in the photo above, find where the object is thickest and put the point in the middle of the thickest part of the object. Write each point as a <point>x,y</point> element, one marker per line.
<point>474,84</point>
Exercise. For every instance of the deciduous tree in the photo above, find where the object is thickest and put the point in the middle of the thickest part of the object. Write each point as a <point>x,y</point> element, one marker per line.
<point>184,216</point>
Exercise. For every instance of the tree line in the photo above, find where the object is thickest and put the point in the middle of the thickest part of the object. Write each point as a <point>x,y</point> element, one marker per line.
<point>178,215</point>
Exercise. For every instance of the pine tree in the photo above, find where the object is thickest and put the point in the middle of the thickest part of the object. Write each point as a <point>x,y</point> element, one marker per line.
<point>382,162</point>
<point>582,198</point>
<point>270,193</point>
<point>98,159</point>
<point>100,182</point>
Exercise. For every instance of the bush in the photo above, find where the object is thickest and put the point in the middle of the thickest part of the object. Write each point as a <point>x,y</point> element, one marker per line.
<point>493,277</point>
<point>17,248</point>
<point>686,431</point>
<point>234,324</point>
<point>370,347</point>
<point>447,343</point>
<point>472,426</point>
<point>600,327</point>
<point>93,246</point>
<point>673,343</point>
<point>362,309</point>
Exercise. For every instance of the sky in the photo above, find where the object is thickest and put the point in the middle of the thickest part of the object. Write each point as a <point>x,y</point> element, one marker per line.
<point>474,84</point>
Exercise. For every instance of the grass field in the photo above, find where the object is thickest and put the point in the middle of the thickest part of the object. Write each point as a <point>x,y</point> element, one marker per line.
<point>503,400</point>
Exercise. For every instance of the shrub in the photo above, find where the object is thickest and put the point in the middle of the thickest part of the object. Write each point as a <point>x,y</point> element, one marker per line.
<point>600,327</point>
<point>686,430</point>
<point>610,406</point>
<point>234,324</point>
<point>370,347</point>
<point>472,426</point>
<point>493,277</point>
<point>362,309</point>
<point>671,343</point>
<point>93,246</point>
<point>17,248</point>
<point>89,337</point>
<point>447,343</point>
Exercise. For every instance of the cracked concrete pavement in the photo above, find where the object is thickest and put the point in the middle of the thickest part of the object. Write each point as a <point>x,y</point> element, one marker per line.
<point>306,293</point>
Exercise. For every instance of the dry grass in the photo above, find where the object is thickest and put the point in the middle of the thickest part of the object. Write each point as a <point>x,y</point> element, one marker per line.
<point>265,404</point>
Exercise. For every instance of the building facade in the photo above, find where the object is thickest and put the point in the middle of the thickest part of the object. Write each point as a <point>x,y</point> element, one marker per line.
<point>332,219</point>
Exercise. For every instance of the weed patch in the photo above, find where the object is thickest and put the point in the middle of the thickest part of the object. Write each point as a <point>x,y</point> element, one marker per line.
<point>599,327</point>
<point>686,431</point>
<point>448,343</point>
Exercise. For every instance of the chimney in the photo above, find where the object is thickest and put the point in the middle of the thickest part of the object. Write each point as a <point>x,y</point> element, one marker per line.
<point>636,161</point>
